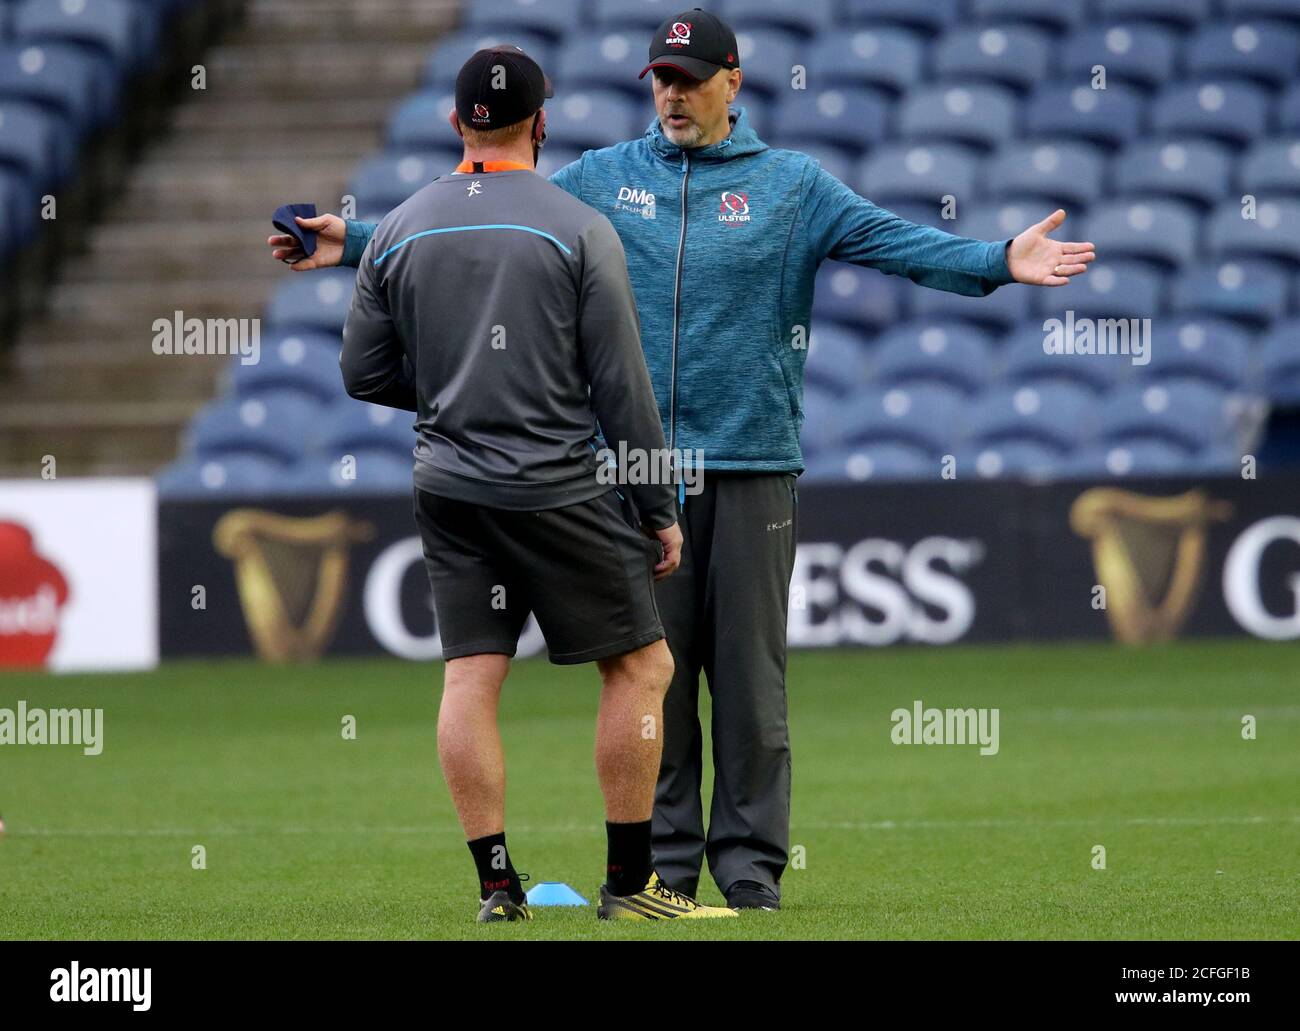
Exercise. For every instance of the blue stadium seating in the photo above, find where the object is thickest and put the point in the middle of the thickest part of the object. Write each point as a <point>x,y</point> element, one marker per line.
<point>351,425</point>
<point>194,477</point>
<point>1142,55</point>
<point>290,360</point>
<point>453,51</point>
<point>641,15</point>
<point>1070,171</point>
<point>1111,116</point>
<point>917,172</point>
<point>980,115</point>
<point>55,76</point>
<point>1195,169</point>
<point>1013,56</point>
<point>853,118</point>
<point>1189,414</point>
<point>1059,416</point>
<point>421,124</point>
<point>1058,15</point>
<point>275,425</point>
<point>887,56</point>
<point>1248,50</point>
<point>1288,111</point>
<point>922,417</point>
<point>932,16</point>
<point>316,302</point>
<point>1263,9</point>
<point>767,57</point>
<point>114,28</point>
<point>875,462</point>
<point>1271,167</point>
<point>855,296</point>
<point>1111,289</point>
<point>804,18</point>
<point>1019,458</point>
<point>1183,13</point>
<point>554,18</point>
<point>1250,290</point>
<point>1215,351</point>
<point>1277,375</point>
<point>950,354</point>
<point>362,472</point>
<point>590,118</point>
<point>1236,112</point>
<point>383,182</point>
<point>1165,231</point>
<point>837,362</point>
<point>608,60</point>
<point>1025,361</point>
<point>1274,232</point>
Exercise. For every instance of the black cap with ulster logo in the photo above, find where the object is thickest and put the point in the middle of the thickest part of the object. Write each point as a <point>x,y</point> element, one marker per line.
<point>500,86</point>
<point>695,42</point>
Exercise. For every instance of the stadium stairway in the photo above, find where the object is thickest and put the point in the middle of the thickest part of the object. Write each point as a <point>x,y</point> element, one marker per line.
<point>296,94</point>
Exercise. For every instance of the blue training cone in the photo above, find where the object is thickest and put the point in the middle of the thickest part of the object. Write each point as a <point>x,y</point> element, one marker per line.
<point>555,893</point>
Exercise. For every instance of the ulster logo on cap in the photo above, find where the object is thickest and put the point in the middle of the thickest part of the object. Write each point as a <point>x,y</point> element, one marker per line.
<point>480,113</point>
<point>679,35</point>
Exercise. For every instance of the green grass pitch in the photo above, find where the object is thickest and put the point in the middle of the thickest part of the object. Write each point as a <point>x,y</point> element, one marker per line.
<point>309,835</point>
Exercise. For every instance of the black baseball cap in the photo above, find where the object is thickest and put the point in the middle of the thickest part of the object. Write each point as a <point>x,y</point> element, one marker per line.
<point>500,86</point>
<point>695,43</point>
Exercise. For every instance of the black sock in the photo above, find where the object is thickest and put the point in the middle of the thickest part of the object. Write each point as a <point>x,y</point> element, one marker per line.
<point>495,870</point>
<point>629,865</point>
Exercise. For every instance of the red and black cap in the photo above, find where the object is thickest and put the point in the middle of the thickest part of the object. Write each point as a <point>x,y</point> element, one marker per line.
<point>500,86</point>
<point>696,43</point>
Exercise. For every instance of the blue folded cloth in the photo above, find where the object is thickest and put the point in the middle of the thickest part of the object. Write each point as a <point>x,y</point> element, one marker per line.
<point>283,219</point>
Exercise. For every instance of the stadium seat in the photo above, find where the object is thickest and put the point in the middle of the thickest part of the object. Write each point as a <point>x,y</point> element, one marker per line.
<point>639,15</point>
<point>1070,171</point>
<point>223,475</point>
<point>824,419</point>
<point>1165,231</point>
<point>767,58</point>
<point>385,181</point>
<point>114,28</point>
<point>886,56</point>
<point>1192,169</point>
<point>1057,16</point>
<point>757,108</point>
<point>979,115</point>
<point>855,296</point>
<point>552,159</point>
<point>277,426</point>
<point>1120,289</point>
<point>837,360</point>
<point>1271,166</point>
<point>1136,458</point>
<point>604,60</point>
<point>420,124</point>
<point>1185,13</point>
<point>453,51</point>
<point>554,18</point>
<point>1058,416</point>
<point>589,119</point>
<point>1184,413</point>
<point>304,362</point>
<point>1140,54</point>
<point>917,172</point>
<point>1277,374</point>
<point>362,472</point>
<point>1012,56</point>
<point>932,17</point>
<point>1274,232</point>
<point>1251,290</point>
<point>852,118</point>
<point>804,18</point>
<point>1001,220</point>
<point>949,354</point>
<point>1236,112</point>
<point>319,301</point>
<point>919,417</point>
<point>350,425</point>
<point>1110,117</point>
<point>1288,112</point>
<point>1025,361</point>
<point>1266,52</point>
<point>1287,9</point>
<point>1214,351</point>
<point>55,77</point>
<point>998,311</point>
<point>873,462</point>
<point>34,144</point>
<point>19,203</point>
<point>1030,459</point>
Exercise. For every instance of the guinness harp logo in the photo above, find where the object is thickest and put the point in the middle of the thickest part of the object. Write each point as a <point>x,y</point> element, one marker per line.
<point>292,574</point>
<point>1148,554</point>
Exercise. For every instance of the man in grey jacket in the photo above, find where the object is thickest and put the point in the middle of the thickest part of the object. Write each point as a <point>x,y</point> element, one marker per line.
<point>497,308</point>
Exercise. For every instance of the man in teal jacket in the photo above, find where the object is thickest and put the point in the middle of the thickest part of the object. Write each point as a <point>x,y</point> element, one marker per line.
<point>724,236</point>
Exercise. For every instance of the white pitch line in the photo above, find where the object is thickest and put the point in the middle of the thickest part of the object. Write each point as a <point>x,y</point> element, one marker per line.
<point>875,825</point>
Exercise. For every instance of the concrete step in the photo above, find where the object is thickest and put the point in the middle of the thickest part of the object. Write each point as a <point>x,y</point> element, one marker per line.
<point>312,71</point>
<point>328,21</point>
<point>96,371</point>
<point>82,436</point>
<point>153,250</point>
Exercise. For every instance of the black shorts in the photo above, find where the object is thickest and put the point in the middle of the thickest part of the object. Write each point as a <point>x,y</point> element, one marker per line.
<point>584,570</point>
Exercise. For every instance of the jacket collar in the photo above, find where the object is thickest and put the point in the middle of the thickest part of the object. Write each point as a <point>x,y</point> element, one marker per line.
<point>742,141</point>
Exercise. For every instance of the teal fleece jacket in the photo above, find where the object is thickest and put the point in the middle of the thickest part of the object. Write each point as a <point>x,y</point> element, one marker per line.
<point>723,245</point>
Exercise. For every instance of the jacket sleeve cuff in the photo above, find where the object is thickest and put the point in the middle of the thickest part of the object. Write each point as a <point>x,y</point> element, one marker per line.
<point>999,272</point>
<point>354,242</point>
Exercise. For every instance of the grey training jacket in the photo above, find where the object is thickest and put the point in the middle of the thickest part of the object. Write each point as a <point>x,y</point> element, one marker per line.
<point>497,307</point>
